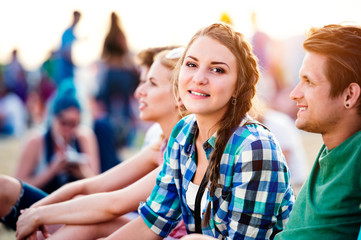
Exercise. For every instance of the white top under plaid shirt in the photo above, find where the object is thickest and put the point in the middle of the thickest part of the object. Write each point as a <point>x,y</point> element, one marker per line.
<point>255,195</point>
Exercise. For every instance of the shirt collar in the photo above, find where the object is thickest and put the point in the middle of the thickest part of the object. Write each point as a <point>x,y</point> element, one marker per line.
<point>186,139</point>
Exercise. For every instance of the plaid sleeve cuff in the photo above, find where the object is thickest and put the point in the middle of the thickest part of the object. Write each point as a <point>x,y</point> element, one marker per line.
<point>159,225</point>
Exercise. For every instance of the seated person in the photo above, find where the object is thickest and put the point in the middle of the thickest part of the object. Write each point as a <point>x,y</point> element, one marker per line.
<point>328,96</point>
<point>13,113</point>
<point>223,173</point>
<point>67,151</point>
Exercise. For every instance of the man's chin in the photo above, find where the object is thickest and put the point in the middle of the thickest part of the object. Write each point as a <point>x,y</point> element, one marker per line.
<point>301,124</point>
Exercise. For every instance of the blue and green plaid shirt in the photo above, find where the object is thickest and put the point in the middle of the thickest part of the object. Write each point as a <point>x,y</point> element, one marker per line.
<point>255,196</point>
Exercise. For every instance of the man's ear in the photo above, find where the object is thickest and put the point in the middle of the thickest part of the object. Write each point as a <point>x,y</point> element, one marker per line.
<point>351,95</point>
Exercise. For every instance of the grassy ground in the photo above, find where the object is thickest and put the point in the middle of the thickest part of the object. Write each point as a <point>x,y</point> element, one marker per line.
<point>10,150</point>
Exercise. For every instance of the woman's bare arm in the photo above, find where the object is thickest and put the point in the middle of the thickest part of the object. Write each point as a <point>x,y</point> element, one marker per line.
<point>134,230</point>
<point>90,209</point>
<point>115,178</point>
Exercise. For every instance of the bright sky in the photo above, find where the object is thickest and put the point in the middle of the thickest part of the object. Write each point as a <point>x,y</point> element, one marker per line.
<point>35,27</point>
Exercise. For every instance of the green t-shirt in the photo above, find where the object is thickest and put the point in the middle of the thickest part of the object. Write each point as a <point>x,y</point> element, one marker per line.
<point>329,203</point>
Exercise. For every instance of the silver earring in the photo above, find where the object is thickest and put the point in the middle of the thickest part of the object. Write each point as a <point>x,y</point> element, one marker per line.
<point>347,105</point>
<point>234,101</point>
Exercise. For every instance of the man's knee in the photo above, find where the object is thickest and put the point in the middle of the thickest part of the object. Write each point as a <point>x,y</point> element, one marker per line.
<point>10,189</point>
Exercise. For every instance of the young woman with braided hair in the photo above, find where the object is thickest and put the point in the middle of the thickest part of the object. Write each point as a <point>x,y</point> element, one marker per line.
<point>219,149</point>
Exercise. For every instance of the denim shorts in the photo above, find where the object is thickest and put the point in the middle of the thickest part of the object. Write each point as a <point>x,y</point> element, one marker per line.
<point>28,196</point>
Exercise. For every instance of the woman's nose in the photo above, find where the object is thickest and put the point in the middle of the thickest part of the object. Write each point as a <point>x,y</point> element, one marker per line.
<point>200,77</point>
<point>139,91</point>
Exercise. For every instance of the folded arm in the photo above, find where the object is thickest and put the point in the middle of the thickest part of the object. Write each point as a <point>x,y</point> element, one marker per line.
<point>90,209</point>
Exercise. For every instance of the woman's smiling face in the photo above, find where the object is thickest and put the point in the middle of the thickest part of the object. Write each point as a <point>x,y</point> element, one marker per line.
<point>207,78</point>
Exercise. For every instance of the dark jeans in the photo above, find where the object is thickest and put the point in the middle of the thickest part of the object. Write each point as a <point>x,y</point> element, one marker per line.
<point>28,196</point>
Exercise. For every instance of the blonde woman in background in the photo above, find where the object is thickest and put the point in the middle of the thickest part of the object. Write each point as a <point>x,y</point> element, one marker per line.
<point>102,212</point>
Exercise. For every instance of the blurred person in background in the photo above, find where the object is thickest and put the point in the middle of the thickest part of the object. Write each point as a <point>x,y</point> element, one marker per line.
<point>118,80</point>
<point>42,92</point>
<point>104,133</point>
<point>67,151</point>
<point>328,97</point>
<point>14,76</point>
<point>64,59</point>
<point>114,120</point>
<point>13,112</point>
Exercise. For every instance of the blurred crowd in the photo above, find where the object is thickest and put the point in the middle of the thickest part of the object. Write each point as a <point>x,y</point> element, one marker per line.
<point>107,114</point>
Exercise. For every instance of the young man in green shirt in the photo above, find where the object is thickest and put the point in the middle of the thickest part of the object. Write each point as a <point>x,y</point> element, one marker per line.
<point>329,100</point>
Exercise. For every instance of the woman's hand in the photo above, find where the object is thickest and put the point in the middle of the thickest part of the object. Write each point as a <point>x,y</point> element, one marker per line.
<point>77,169</point>
<point>58,163</point>
<point>36,235</point>
<point>27,225</point>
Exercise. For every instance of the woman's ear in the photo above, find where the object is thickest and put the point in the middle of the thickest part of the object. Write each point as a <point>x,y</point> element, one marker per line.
<point>181,108</point>
<point>179,103</point>
<point>351,95</point>
<point>234,95</point>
